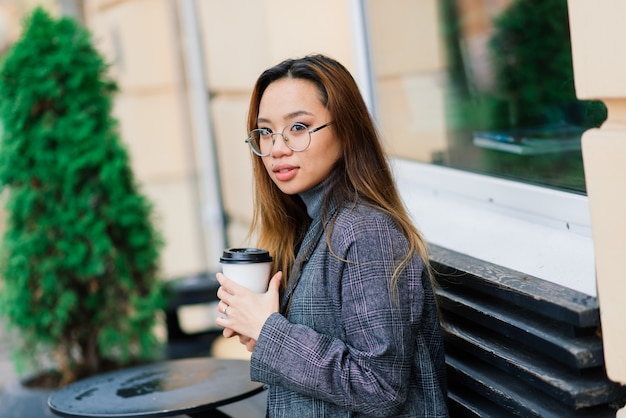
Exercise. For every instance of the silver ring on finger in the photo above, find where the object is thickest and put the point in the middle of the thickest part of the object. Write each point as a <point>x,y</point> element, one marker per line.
<point>225,309</point>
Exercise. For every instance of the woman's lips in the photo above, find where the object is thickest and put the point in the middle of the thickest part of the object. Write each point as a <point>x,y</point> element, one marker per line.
<point>285,172</point>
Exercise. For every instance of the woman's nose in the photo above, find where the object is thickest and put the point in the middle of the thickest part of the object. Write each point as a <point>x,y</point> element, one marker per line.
<point>279,144</point>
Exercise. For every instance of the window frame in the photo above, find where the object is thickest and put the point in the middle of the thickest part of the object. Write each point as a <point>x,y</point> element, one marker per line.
<point>536,230</point>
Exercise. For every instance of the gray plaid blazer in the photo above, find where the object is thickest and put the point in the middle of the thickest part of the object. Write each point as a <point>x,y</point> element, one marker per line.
<point>345,347</point>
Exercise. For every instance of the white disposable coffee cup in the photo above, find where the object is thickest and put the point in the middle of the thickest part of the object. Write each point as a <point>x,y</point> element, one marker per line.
<point>250,267</point>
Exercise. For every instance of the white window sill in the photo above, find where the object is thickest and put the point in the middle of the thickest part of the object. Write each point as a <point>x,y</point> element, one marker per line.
<point>538,231</point>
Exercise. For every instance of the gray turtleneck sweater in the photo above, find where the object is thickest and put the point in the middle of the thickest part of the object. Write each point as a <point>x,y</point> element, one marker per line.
<point>346,347</point>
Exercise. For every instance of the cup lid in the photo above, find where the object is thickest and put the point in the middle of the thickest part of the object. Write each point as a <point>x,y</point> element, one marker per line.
<point>245,255</point>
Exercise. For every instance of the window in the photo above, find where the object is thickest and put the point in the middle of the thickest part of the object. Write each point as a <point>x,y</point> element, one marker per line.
<point>484,86</point>
<point>476,101</point>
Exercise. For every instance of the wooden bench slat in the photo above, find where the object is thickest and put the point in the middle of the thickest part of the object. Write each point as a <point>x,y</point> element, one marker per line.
<point>527,328</point>
<point>573,389</point>
<point>518,398</point>
<point>521,289</point>
<point>461,403</point>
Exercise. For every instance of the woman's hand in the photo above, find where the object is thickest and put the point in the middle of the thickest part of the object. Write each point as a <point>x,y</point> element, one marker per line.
<point>247,341</point>
<point>246,311</point>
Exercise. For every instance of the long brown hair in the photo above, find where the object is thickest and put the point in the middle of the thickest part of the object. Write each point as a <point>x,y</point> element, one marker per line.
<point>361,174</point>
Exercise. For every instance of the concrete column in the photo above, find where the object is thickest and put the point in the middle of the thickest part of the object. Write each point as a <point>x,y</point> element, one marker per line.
<point>599,58</point>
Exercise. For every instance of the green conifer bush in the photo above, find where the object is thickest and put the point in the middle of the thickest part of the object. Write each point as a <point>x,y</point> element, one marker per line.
<point>79,259</point>
<point>532,58</point>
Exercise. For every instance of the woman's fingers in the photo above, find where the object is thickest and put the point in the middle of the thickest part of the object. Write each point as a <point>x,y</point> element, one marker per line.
<point>250,345</point>
<point>274,284</point>
<point>228,333</point>
<point>248,342</point>
<point>227,286</point>
<point>244,311</point>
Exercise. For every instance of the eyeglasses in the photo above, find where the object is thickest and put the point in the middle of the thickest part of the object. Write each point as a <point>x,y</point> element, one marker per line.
<point>297,137</point>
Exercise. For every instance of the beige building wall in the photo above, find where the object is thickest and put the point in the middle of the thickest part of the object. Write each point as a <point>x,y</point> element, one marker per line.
<point>10,15</point>
<point>599,58</point>
<point>241,39</point>
<point>410,76</point>
<point>141,40</point>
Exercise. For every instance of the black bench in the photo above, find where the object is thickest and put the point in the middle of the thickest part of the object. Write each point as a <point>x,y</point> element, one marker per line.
<point>197,289</point>
<point>517,345</point>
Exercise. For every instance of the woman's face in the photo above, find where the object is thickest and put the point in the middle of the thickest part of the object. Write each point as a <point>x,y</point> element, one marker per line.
<point>287,101</point>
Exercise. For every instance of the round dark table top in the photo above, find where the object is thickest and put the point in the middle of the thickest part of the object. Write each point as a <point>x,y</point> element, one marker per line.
<point>175,387</point>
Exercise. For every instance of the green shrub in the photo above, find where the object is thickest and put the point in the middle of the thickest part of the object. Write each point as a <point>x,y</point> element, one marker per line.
<point>80,256</point>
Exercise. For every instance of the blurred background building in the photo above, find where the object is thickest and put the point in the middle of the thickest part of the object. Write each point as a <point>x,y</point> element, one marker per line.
<point>476,101</point>
<point>434,73</point>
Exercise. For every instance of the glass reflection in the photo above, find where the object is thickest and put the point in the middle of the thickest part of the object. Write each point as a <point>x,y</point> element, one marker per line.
<point>505,86</point>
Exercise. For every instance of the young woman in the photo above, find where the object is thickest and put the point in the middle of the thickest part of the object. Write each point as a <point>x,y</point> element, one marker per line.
<point>349,325</point>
